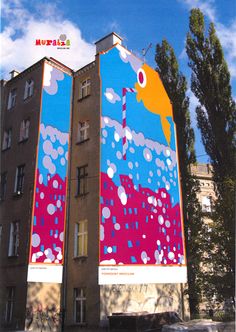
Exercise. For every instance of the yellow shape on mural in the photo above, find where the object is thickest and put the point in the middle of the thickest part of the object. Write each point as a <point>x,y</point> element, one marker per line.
<point>154,97</point>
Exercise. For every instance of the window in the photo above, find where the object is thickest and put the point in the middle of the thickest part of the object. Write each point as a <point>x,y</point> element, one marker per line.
<point>81,239</point>
<point>6,143</point>
<point>79,305</point>
<point>83,131</point>
<point>85,88</point>
<point>206,204</point>
<point>82,176</point>
<point>9,304</point>
<point>3,186</point>
<point>24,130</point>
<point>19,180</point>
<point>11,99</point>
<point>29,89</point>
<point>14,239</point>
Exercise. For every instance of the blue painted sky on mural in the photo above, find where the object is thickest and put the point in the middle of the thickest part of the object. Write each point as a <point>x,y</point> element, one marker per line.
<point>146,144</point>
<point>138,22</point>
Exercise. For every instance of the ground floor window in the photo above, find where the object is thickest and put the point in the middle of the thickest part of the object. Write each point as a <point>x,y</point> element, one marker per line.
<point>79,305</point>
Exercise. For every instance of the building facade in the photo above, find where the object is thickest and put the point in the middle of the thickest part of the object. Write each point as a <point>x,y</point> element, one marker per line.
<point>90,201</point>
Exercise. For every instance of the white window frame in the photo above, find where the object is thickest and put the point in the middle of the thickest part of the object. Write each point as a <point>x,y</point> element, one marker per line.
<point>10,304</point>
<point>83,131</point>
<point>24,130</point>
<point>11,99</point>
<point>85,88</point>
<point>29,89</point>
<point>13,247</point>
<point>6,142</point>
<point>19,179</point>
<point>81,236</point>
<point>80,301</point>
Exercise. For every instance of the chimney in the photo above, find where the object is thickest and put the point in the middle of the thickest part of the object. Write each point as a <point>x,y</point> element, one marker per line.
<point>14,73</point>
<point>107,42</point>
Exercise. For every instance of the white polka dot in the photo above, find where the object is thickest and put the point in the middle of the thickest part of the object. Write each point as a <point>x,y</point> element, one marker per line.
<point>63,161</point>
<point>158,242</point>
<point>106,212</point>
<point>41,195</point>
<point>116,137</point>
<point>144,236</point>
<point>40,178</point>
<point>35,240</point>
<point>117,226</point>
<point>160,220</point>
<point>51,209</point>
<point>171,255</point>
<point>123,198</point>
<point>110,172</point>
<point>55,184</point>
<point>109,250</point>
<point>58,203</point>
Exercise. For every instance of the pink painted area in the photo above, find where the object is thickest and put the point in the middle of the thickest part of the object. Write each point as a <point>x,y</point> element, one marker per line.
<point>48,223</point>
<point>135,229</point>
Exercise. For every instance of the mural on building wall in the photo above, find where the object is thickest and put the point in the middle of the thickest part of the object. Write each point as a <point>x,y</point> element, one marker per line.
<point>50,187</point>
<point>140,216</point>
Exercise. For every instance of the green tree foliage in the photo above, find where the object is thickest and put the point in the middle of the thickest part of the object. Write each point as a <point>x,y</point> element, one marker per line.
<point>176,86</point>
<point>216,116</point>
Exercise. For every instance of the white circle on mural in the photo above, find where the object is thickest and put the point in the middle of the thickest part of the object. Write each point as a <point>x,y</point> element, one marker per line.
<point>35,240</point>
<point>51,209</point>
<point>106,212</point>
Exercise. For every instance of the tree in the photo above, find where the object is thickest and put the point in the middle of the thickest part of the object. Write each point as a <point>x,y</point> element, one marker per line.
<point>216,117</point>
<point>176,86</point>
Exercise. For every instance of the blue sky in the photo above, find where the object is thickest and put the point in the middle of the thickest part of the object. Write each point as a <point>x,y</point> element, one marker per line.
<point>139,22</point>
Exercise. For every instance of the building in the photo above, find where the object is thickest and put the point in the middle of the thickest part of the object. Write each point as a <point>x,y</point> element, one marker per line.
<point>81,156</point>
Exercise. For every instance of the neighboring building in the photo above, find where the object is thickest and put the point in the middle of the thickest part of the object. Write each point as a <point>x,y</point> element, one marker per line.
<point>117,200</point>
<point>206,197</point>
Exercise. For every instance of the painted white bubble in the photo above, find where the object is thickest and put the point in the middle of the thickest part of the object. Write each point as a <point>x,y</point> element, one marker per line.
<point>41,195</point>
<point>54,154</point>
<point>59,256</point>
<point>159,202</point>
<point>104,133</point>
<point>150,199</point>
<point>110,172</point>
<point>116,137</point>
<point>63,161</point>
<point>167,223</point>
<point>51,209</point>
<point>35,240</point>
<point>112,145</point>
<point>171,255</point>
<point>117,226</point>
<point>167,185</point>
<point>131,176</point>
<point>158,242</point>
<point>55,184</point>
<point>40,178</point>
<point>168,161</point>
<point>47,147</point>
<point>131,150</point>
<point>130,165</point>
<point>109,250</point>
<point>167,152</point>
<point>128,134</point>
<point>58,203</point>
<point>60,150</point>
<point>119,155</point>
<point>147,154</point>
<point>106,120</point>
<point>149,180</point>
<point>102,234</point>
<point>144,236</point>
<point>106,212</point>
<point>159,172</point>
<point>123,198</point>
<point>151,173</point>
<point>66,155</point>
<point>160,220</point>
<point>168,238</point>
<point>61,236</point>
<point>136,164</point>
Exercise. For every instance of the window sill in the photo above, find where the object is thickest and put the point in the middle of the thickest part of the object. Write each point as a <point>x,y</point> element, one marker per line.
<point>80,258</point>
<point>23,140</point>
<point>81,142</point>
<point>82,98</point>
<point>81,195</point>
<point>5,149</point>
<point>18,194</point>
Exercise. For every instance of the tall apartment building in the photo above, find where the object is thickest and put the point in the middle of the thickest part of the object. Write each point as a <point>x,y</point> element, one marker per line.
<point>90,203</point>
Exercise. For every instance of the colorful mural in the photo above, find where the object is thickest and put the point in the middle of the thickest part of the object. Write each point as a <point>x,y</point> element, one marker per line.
<point>51,176</point>
<point>140,213</point>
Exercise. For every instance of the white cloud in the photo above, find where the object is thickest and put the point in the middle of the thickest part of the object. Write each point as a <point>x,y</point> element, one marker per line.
<point>23,28</point>
<point>226,34</point>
